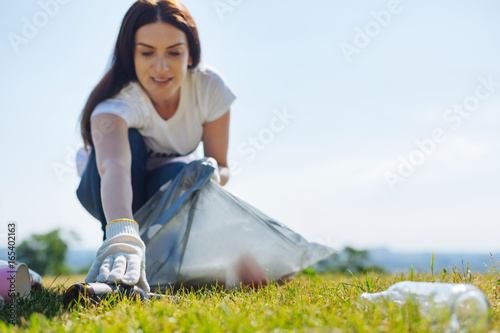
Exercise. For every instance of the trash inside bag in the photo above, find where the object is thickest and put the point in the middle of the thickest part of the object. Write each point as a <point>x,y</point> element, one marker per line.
<point>197,233</point>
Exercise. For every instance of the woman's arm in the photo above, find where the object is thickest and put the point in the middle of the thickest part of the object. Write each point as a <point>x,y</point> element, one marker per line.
<point>122,256</point>
<point>215,142</point>
<point>111,144</point>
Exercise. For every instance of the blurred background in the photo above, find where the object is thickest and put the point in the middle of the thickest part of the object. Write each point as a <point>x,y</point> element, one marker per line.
<point>370,124</point>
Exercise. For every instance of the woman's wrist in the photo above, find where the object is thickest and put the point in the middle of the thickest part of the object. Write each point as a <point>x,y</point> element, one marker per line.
<point>123,220</point>
<point>224,175</point>
<point>122,226</point>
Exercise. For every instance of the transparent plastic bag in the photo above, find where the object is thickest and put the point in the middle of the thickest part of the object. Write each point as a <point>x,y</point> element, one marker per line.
<point>197,233</point>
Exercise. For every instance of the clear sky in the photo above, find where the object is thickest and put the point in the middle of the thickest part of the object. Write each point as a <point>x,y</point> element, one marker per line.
<point>362,123</point>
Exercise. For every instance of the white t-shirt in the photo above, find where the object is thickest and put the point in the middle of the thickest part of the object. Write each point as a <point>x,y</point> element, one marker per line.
<point>204,97</point>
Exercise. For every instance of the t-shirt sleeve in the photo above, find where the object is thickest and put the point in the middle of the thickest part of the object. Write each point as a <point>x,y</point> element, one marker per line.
<point>218,97</point>
<point>120,108</point>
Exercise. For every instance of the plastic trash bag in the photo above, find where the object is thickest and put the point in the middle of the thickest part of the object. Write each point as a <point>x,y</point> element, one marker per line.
<point>195,232</point>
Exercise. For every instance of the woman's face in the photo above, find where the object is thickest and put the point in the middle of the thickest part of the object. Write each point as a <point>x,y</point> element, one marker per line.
<point>161,59</point>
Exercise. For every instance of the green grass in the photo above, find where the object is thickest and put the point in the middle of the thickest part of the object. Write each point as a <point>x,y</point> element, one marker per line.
<point>310,303</point>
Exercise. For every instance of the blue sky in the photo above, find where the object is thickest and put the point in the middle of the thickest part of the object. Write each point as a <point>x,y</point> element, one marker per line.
<point>315,131</point>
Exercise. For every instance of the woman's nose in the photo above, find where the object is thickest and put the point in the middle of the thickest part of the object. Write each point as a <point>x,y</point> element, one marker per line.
<point>161,64</point>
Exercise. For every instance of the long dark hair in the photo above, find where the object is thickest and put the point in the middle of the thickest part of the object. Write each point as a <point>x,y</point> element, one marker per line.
<point>122,69</point>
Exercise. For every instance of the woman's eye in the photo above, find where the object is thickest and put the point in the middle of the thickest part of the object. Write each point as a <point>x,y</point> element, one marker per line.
<point>175,54</point>
<point>147,54</point>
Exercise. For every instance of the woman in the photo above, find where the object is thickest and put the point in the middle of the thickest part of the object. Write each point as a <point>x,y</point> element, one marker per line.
<point>142,123</point>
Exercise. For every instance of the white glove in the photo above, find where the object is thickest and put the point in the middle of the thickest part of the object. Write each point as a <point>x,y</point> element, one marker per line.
<point>216,175</point>
<point>121,257</point>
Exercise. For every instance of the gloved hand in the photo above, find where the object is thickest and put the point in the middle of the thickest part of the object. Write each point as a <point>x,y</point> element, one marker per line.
<point>121,257</point>
<point>216,175</point>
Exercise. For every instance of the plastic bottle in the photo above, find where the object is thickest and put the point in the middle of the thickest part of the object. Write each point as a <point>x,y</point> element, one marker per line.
<point>466,304</point>
<point>96,292</point>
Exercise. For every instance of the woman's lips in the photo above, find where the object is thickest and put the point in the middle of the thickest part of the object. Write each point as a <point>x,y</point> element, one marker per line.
<point>162,81</point>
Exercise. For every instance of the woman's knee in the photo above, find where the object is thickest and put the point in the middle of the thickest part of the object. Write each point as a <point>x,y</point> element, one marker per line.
<point>137,145</point>
<point>89,190</point>
<point>158,177</point>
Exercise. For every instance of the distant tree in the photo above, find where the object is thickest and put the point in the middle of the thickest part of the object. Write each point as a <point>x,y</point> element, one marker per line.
<point>355,260</point>
<point>45,253</point>
<point>349,259</point>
